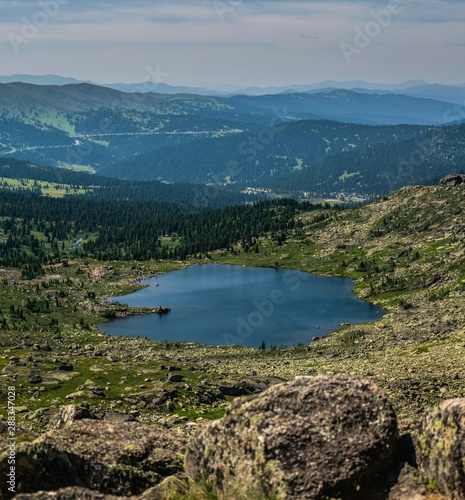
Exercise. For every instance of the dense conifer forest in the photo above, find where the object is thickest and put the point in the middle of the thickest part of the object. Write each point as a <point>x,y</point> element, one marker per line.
<point>111,188</point>
<point>37,229</point>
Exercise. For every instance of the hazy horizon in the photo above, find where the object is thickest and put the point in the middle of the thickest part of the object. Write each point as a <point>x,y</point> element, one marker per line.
<point>213,86</point>
<point>232,42</point>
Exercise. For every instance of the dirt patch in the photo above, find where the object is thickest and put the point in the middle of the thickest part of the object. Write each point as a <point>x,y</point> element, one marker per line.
<point>9,276</point>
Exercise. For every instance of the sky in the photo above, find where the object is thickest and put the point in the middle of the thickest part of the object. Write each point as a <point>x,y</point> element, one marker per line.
<point>233,42</point>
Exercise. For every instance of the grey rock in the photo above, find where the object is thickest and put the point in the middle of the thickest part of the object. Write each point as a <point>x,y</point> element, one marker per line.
<point>71,413</point>
<point>408,485</point>
<point>171,487</point>
<point>299,440</point>
<point>440,447</point>
<point>239,389</point>
<point>117,459</point>
<point>67,494</point>
<point>117,417</point>
<point>453,180</point>
<point>57,376</point>
<point>66,367</point>
<point>207,395</point>
<point>175,377</point>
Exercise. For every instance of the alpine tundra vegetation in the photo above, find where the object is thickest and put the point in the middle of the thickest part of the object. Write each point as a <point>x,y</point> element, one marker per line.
<point>405,252</point>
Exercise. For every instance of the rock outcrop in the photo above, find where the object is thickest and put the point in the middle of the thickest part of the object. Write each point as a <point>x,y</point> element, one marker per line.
<point>453,180</point>
<point>313,438</point>
<point>67,494</point>
<point>440,445</point>
<point>119,459</point>
<point>67,415</point>
<point>299,440</point>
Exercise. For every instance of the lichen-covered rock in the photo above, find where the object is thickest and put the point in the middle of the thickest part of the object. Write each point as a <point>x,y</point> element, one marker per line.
<point>440,445</point>
<point>408,486</point>
<point>119,459</point>
<point>299,440</point>
<point>170,488</point>
<point>67,494</point>
<point>68,414</point>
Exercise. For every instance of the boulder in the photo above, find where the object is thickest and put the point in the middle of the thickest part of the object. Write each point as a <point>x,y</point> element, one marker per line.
<point>67,494</point>
<point>171,488</point>
<point>117,459</point>
<point>243,388</point>
<point>206,394</point>
<point>453,180</point>
<point>66,367</point>
<point>117,417</point>
<point>68,414</point>
<point>306,439</point>
<point>440,447</point>
<point>408,485</point>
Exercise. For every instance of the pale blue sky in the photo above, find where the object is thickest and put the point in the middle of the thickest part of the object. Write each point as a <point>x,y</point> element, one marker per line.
<point>235,42</point>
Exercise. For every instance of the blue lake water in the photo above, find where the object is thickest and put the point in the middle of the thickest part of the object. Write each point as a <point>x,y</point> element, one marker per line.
<point>217,304</point>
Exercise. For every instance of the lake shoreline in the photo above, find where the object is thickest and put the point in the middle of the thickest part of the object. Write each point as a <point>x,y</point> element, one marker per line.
<point>415,352</point>
<point>286,289</point>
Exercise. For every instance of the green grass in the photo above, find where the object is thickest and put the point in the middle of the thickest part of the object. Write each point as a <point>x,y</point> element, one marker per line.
<point>346,175</point>
<point>52,189</point>
<point>77,168</point>
<point>386,271</point>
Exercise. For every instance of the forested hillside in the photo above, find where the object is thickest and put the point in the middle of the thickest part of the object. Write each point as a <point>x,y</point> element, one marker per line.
<point>384,166</point>
<point>36,230</point>
<point>111,188</point>
<point>252,156</point>
<point>317,157</point>
<point>282,142</point>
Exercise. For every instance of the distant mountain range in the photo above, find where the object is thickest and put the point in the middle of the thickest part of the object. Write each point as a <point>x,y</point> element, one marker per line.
<point>40,79</point>
<point>416,88</point>
<point>319,141</point>
<point>320,157</point>
<point>51,103</point>
<point>143,87</point>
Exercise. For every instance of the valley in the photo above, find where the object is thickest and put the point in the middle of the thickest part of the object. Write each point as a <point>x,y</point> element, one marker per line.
<point>104,192</point>
<point>325,142</point>
<point>411,265</point>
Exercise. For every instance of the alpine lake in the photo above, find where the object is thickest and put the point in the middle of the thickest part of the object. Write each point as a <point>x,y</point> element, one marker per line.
<point>216,304</point>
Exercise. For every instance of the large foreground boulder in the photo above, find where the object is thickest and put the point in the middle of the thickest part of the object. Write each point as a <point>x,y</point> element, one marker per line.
<point>300,440</point>
<point>440,447</point>
<point>119,459</point>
